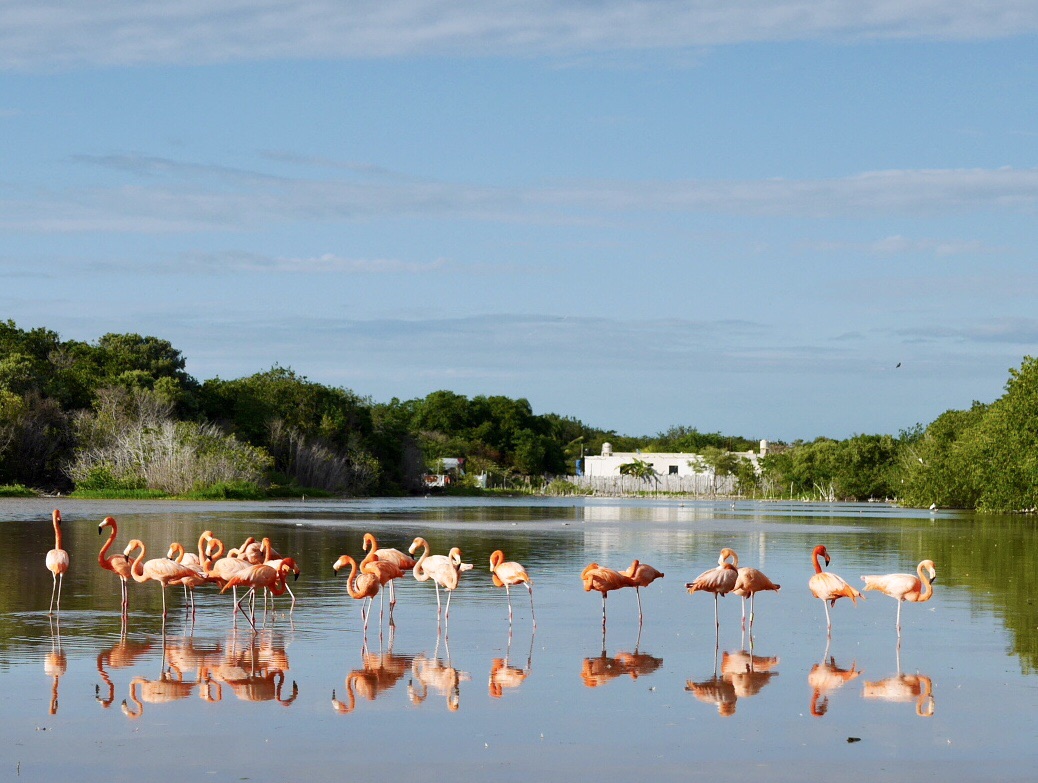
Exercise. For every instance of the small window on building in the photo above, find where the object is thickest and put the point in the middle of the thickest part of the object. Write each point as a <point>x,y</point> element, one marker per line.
<point>672,470</point>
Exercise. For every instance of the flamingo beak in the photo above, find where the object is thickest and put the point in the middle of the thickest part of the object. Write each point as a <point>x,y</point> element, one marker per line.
<point>100,529</point>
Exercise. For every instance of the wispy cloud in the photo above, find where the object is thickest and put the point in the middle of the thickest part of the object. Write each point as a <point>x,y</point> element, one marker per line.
<point>44,34</point>
<point>1011,331</point>
<point>163,195</point>
<point>898,245</point>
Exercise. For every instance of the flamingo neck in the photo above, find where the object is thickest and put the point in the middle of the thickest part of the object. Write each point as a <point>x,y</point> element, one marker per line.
<point>57,531</point>
<point>105,547</point>
<point>816,557</point>
<point>137,567</point>
<point>351,587</point>
<point>926,593</point>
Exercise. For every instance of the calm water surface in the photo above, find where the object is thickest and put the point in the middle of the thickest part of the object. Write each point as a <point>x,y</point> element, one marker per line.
<point>671,700</point>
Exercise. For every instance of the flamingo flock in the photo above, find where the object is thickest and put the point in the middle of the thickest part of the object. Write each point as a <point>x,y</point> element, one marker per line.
<point>257,567</point>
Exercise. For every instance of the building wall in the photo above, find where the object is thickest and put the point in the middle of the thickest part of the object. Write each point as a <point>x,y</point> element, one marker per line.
<point>663,463</point>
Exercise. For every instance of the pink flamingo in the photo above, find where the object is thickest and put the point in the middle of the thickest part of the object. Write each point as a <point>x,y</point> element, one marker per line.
<point>719,581</point>
<point>917,588</point>
<point>57,563</point>
<point>506,573</point>
<point>828,586</point>
<point>117,564</point>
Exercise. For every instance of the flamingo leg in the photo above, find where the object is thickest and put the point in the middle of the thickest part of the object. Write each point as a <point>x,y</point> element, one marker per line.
<point>392,596</point>
<point>530,589</point>
<point>638,593</point>
<point>53,590</point>
<point>509,598</point>
<point>899,619</point>
<point>717,622</point>
<point>163,601</point>
<point>828,621</point>
<point>447,612</point>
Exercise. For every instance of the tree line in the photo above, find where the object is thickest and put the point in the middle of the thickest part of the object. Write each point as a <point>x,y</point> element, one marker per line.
<point>122,415</point>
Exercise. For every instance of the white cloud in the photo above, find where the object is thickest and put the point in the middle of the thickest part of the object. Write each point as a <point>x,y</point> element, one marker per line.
<point>45,34</point>
<point>170,196</point>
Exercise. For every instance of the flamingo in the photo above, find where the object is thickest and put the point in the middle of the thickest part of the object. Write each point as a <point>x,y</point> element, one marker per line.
<point>359,586</point>
<point>643,575</point>
<point>160,569</point>
<point>395,556</point>
<point>750,582</point>
<point>117,564</point>
<point>905,587</point>
<point>255,576</point>
<point>604,580</point>
<point>719,581</point>
<point>385,571</point>
<point>223,568</point>
<point>57,563</point>
<point>177,554</point>
<point>506,573</point>
<point>444,571</point>
<point>828,586</point>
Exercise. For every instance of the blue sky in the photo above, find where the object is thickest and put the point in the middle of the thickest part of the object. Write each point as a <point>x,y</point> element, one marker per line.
<point>739,216</point>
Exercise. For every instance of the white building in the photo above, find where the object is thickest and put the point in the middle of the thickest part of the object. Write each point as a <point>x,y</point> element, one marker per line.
<point>665,464</point>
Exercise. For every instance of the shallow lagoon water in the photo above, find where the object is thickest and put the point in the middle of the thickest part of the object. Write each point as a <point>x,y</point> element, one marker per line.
<point>670,700</point>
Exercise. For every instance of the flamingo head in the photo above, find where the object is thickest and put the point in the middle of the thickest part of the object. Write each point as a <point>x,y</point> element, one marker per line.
<point>418,542</point>
<point>725,554</point>
<point>497,557</point>
<point>820,550</point>
<point>342,562</point>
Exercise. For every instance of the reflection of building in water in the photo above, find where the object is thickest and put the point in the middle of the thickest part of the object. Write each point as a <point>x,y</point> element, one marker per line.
<point>904,688</point>
<point>824,678</point>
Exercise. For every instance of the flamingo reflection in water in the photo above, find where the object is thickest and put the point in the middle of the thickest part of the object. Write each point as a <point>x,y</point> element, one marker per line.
<point>433,674</point>
<point>504,676</point>
<point>379,673</point>
<point>169,687</point>
<point>743,674</point>
<point>121,655</point>
<point>255,672</point>
<point>903,688</point>
<point>603,668</point>
<point>55,664</point>
<point>826,677</point>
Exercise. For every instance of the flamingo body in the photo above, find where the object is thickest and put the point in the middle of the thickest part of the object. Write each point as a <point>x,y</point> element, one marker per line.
<point>506,573</point>
<point>917,588</point>
<point>57,561</point>
<point>827,586</point>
